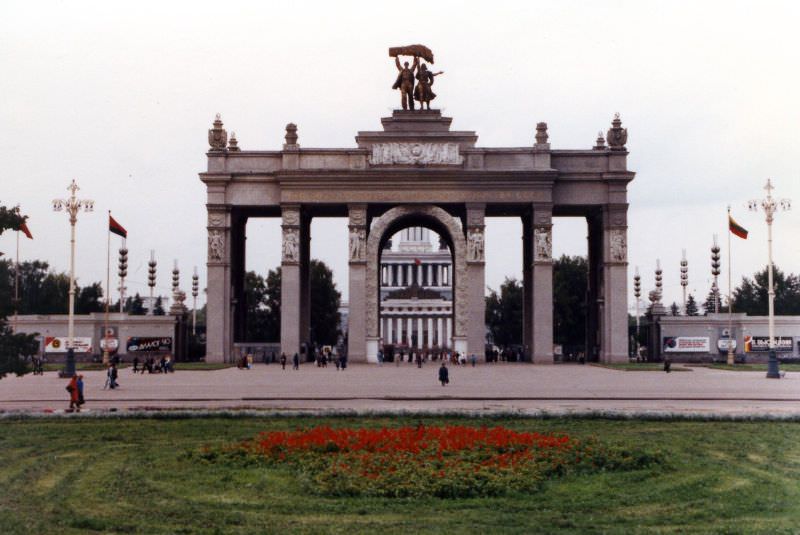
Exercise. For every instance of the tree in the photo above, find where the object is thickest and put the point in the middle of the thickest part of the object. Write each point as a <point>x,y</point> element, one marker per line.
<point>90,299</point>
<point>136,307</point>
<point>674,309</point>
<point>570,285</point>
<point>15,348</point>
<point>504,313</point>
<point>264,305</point>
<point>691,306</point>
<point>158,309</point>
<point>751,296</point>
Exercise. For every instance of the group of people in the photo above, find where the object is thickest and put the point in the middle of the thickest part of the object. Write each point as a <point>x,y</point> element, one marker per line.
<point>75,389</point>
<point>419,357</point>
<point>38,365</point>
<point>151,365</point>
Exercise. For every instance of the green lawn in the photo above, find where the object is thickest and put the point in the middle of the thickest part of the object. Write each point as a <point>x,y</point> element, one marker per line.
<point>641,366</point>
<point>750,367</point>
<point>134,476</point>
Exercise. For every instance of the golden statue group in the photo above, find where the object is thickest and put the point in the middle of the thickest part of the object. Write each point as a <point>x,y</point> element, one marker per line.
<point>422,92</point>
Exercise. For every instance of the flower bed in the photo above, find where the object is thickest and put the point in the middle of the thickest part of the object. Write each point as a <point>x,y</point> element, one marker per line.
<point>450,461</point>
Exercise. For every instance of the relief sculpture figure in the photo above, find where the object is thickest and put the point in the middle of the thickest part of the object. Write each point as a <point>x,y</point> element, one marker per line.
<point>290,246</point>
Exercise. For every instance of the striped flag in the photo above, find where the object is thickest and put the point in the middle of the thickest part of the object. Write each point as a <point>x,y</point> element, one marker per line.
<point>116,228</point>
<point>736,228</point>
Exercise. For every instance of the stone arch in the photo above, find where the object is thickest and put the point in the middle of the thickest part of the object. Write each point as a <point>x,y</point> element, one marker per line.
<point>440,220</point>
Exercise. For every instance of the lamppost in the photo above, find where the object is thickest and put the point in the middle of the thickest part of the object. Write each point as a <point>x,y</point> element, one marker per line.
<point>637,292</point>
<point>195,291</point>
<point>123,272</point>
<point>72,206</point>
<point>684,278</point>
<point>151,279</point>
<point>658,279</point>
<point>770,206</point>
<point>715,273</point>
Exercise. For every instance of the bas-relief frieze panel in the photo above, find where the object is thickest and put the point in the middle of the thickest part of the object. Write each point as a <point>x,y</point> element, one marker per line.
<point>618,245</point>
<point>415,153</point>
<point>542,244</point>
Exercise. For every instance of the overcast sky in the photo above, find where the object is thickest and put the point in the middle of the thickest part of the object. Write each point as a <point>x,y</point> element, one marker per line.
<point>120,96</point>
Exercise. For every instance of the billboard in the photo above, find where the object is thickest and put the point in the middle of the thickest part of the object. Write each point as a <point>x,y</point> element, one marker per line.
<point>687,344</point>
<point>760,344</point>
<point>149,343</point>
<point>58,344</point>
<point>109,340</point>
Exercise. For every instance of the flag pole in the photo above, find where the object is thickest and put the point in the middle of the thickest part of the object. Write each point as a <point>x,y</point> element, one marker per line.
<point>16,287</point>
<point>108,288</point>
<point>731,359</point>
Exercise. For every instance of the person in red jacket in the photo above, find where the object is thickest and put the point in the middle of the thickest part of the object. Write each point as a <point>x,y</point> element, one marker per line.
<point>74,394</point>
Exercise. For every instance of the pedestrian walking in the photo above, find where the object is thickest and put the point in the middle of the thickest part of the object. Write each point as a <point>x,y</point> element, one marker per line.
<point>296,362</point>
<point>380,358</point>
<point>667,364</point>
<point>473,359</point>
<point>74,395</point>
<point>135,364</point>
<point>444,374</point>
<point>283,361</point>
<point>79,383</point>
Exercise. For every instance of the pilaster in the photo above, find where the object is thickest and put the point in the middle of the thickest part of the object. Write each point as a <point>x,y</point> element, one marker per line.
<point>219,320</point>
<point>542,283</point>
<point>359,347</point>
<point>614,346</point>
<point>291,298</point>
<point>476,277</point>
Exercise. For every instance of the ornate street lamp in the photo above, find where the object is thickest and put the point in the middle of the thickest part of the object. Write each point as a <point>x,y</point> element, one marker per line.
<point>715,273</point>
<point>658,279</point>
<point>151,279</point>
<point>770,206</point>
<point>684,278</point>
<point>123,272</point>
<point>72,206</point>
<point>637,292</point>
<point>195,291</point>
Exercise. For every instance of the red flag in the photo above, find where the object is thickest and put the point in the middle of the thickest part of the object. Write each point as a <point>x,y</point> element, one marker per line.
<point>25,230</point>
<point>116,228</point>
<point>417,261</point>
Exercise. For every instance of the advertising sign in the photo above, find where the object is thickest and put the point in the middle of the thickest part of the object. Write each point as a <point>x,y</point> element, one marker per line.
<point>58,344</point>
<point>687,344</point>
<point>724,343</point>
<point>760,344</point>
<point>108,339</point>
<point>149,343</point>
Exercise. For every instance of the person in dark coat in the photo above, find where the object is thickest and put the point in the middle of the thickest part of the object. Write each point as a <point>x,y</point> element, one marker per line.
<point>296,362</point>
<point>283,361</point>
<point>79,384</point>
<point>74,394</point>
<point>444,375</point>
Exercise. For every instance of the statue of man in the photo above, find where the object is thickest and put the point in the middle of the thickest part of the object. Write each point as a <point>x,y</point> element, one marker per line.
<point>405,82</point>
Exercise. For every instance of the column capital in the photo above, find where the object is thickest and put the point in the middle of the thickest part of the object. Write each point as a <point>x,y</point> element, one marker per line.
<point>290,215</point>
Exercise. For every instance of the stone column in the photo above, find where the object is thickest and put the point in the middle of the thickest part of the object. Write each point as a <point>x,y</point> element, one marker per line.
<point>542,284</point>
<point>305,280</point>
<point>614,346</point>
<point>594,300</point>
<point>389,333</point>
<point>410,275</point>
<point>291,295</point>
<point>219,320</point>
<point>429,338</point>
<point>527,284</point>
<point>419,275</point>
<point>439,275</point>
<point>476,303</point>
<point>359,348</point>
<point>439,332</point>
<point>420,332</point>
<point>449,338</point>
<point>409,331</point>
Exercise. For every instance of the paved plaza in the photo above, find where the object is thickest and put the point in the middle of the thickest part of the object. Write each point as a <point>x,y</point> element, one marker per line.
<point>487,388</point>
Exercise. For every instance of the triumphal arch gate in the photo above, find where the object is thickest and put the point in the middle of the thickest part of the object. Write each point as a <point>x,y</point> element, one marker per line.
<point>417,171</point>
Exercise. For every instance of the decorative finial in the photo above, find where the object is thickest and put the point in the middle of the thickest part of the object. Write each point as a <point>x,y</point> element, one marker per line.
<point>233,145</point>
<point>291,136</point>
<point>541,135</point>
<point>600,142</point>
<point>217,136</point>
<point>617,136</point>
